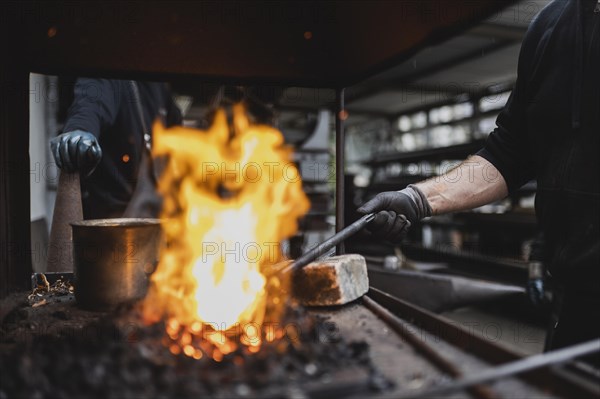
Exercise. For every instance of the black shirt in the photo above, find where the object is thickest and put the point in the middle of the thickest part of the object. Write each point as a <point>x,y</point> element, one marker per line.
<point>550,131</point>
<point>107,109</point>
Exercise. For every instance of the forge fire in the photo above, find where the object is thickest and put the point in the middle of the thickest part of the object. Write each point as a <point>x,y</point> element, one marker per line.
<point>231,196</point>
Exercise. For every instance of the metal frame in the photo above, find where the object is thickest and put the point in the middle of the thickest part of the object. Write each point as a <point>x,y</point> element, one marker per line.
<point>340,144</point>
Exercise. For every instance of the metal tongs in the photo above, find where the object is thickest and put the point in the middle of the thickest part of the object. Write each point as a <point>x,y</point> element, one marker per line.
<point>328,244</point>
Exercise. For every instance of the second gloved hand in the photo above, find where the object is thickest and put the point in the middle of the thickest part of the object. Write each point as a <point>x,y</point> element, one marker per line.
<point>535,284</point>
<point>76,151</point>
<point>395,212</point>
<point>535,292</point>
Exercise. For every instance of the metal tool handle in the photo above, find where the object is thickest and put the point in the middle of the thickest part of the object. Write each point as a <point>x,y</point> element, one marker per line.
<point>328,244</point>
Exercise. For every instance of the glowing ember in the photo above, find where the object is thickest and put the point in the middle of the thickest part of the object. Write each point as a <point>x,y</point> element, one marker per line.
<point>231,195</point>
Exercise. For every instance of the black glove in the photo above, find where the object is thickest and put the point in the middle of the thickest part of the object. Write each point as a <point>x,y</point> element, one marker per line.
<point>535,284</point>
<point>535,291</point>
<point>396,212</point>
<point>76,151</point>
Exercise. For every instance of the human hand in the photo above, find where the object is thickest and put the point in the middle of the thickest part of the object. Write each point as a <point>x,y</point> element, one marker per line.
<point>535,291</point>
<point>394,212</point>
<point>76,151</point>
<point>535,288</point>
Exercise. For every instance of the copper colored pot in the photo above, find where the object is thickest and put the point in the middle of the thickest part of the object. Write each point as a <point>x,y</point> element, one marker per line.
<point>113,260</point>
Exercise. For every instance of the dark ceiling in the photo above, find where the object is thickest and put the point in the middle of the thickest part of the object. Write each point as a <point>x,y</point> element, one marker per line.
<point>309,43</point>
<point>480,58</point>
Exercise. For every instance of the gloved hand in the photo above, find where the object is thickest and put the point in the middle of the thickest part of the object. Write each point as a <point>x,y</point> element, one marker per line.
<point>535,284</point>
<point>76,151</point>
<point>396,211</point>
<point>535,291</point>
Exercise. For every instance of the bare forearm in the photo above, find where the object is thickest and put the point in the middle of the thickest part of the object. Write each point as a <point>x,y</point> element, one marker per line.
<point>473,183</point>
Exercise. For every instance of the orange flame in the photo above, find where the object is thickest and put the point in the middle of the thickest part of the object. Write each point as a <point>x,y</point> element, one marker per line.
<point>231,195</point>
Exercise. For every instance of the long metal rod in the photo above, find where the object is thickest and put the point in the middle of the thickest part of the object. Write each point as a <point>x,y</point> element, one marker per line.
<point>443,364</point>
<point>340,116</point>
<point>511,369</point>
<point>328,244</point>
<point>546,379</point>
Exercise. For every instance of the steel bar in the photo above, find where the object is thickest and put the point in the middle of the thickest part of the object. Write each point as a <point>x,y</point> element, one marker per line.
<point>430,353</point>
<point>328,244</point>
<point>340,145</point>
<point>511,369</point>
<point>439,292</point>
<point>548,379</point>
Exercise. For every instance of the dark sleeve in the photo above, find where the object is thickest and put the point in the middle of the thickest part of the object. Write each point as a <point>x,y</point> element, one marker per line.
<point>508,146</point>
<point>95,105</point>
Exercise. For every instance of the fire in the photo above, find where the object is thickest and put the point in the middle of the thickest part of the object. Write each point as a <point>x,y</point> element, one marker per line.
<point>231,195</point>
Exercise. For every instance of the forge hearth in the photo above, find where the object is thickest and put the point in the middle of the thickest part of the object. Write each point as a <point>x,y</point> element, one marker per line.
<point>58,350</point>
